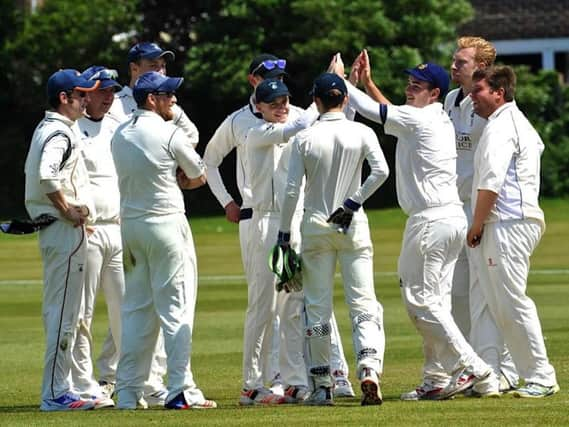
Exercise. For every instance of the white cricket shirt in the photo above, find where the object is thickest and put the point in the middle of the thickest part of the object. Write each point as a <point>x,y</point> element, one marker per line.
<point>331,154</point>
<point>147,151</point>
<point>507,162</point>
<point>48,171</point>
<point>96,138</point>
<point>425,157</point>
<point>267,150</point>
<point>468,127</point>
<point>231,134</point>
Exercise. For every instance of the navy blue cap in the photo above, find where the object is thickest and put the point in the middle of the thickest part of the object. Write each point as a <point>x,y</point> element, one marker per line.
<point>432,73</point>
<point>270,89</point>
<point>69,79</point>
<point>106,76</point>
<point>154,82</point>
<point>326,82</point>
<point>146,50</point>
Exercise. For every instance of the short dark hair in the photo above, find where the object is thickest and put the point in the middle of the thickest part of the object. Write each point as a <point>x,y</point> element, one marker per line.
<point>332,99</point>
<point>498,77</point>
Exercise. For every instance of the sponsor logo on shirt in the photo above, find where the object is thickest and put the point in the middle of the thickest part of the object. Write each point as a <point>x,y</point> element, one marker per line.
<point>463,141</point>
<point>491,263</point>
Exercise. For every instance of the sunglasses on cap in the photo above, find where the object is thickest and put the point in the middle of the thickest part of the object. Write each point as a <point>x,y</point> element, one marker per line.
<point>269,64</point>
<point>105,74</point>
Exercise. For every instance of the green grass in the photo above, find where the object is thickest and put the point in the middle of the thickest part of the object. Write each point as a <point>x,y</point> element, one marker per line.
<point>218,337</point>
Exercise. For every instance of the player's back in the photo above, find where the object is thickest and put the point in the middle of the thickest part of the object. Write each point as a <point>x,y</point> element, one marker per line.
<point>146,167</point>
<point>333,151</point>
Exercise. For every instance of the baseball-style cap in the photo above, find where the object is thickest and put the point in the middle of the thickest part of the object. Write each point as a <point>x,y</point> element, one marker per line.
<point>154,82</point>
<point>270,89</point>
<point>146,50</point>
<point>325,83</point>
<point>69,79</point>
<point>432,73</point>
<point>267,66</point>
<point>105,76</point>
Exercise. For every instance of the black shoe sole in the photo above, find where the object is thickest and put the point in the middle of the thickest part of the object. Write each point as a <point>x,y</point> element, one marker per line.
<point>370,395</point>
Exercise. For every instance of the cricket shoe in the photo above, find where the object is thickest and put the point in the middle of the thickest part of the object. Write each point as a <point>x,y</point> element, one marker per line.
<point>425,391</point>
<point>67,402</point>
<point>536,391</point>
<point>505,386</point>
<point>260,396</point>
<point>342,386</point>
<point>487,387</point>
<point>322,396</point>
<point>103,402</point>
<point>107,389</point>
<point>277,386</point>
<point>180,402</point>
<point>371,393</point>
<point>157,398</point>
<point>296,394</point>
<point>461,381</point>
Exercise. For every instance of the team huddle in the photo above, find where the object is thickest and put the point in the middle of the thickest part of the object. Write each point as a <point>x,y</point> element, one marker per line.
<point>107,166</point>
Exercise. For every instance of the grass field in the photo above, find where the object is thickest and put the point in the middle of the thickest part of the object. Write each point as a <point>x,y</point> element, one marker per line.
<point>218,338</point>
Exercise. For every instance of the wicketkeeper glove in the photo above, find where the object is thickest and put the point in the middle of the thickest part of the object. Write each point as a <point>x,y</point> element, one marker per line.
<point>342,216</point>
<point>27,226</point>
<point>286,264</point>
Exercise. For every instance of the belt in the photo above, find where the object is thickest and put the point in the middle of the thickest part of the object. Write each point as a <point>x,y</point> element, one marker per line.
<point>246,213</point>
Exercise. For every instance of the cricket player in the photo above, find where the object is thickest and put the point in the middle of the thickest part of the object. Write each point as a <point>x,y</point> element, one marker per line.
<point>267,151</point>
<point>334,228</point>
<point>144,57</point>
<point>508,223</point>
<point>57,183</point>
<point>231,134</point>
<point>104,267</point>
<point>425,162</point>
<point>161,279</point>
<point>469,308</point>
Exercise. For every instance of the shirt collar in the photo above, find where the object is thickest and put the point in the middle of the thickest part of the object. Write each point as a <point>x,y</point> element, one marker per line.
<point>335,115</point>
<point>54,115</point>
<point>502,108</point>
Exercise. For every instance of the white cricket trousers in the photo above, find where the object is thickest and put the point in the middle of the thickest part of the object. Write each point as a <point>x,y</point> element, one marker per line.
<point>104,270</point>
<point>322,248</point>
<point>503,260</point>
<point>160,293</point>
<point>432,241</point>
<point>262,308</point>
<point>64,253</point>
<point>472,316</point>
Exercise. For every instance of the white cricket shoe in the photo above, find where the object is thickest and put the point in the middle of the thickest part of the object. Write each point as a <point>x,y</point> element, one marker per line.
<point>463,380</point>
<point>296,394</point>
<point>342,386</point>
<point>103,402</point>
<point>322,396</point>
<point>158,398</point>
<point>260,396</point>
<point>423,392</point>
<point>371,393</point>
<point>67,402</point>
<point>107,389</point>
<point>536,391</point>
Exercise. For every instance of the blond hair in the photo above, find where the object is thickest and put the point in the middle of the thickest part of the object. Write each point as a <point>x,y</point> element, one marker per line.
<point>485,51</point>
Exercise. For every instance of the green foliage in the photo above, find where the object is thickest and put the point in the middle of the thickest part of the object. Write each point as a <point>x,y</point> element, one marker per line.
<point>64,34</point>
<point>545,101</point>
<point>398,34</point>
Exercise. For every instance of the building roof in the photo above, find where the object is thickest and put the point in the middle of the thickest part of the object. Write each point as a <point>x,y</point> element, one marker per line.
<point>518,19</point>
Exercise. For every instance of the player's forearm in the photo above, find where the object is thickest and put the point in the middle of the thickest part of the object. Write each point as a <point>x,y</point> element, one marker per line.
<point>217,187</point>
<point>75,214</point>
<point>485,201</point>
<point>305,120</point>
<point>363,104</point>
<point>373,91</point>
